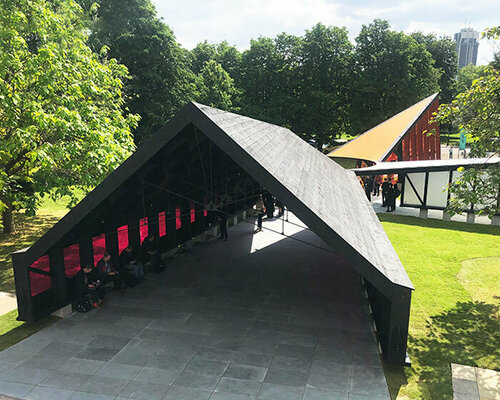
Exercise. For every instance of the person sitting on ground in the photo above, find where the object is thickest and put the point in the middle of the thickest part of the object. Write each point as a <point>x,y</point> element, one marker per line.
<point>130,265</point>
<point>107,272</point>
<point>150,253</point>
<point>87,282</point>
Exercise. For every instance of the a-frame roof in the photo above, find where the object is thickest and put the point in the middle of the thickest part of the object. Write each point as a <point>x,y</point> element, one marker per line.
<point>378,143</point>
<point>326,197</point>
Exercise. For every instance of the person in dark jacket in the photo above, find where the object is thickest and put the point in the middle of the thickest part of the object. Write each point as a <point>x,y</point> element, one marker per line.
<point>369,188</point>
<point>222,218</point>
<point>394,195</point>
<point>108,273</point>
<point>87,283</point>
<point>130,264</point>
<point>269,204</point>
<point>385,191</point>
<point>150,253</point>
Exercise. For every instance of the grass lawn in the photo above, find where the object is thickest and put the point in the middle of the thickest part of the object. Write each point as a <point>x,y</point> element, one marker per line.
<point>455,307</point>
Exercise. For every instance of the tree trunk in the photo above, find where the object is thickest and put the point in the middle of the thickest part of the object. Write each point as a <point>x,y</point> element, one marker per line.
<point>8,220</point>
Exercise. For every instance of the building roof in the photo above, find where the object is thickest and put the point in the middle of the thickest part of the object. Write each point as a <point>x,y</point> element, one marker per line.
<point>379,142</point>
<point>326,197</point>
<point>425,165</point>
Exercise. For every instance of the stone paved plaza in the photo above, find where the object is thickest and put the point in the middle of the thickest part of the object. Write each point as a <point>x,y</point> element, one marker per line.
<point>257,317</point>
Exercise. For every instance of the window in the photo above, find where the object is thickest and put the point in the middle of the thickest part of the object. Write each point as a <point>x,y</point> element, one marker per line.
<point>40,282</point>
<point>71,260</point>
<point>99,246</point>
<point>162,221</point>
<point>178,224</point>
<point>122,238</point>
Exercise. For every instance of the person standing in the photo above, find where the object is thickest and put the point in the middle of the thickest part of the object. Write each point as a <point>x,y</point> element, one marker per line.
<point>259,209</point>
<point>369,187</point>
<point>222,218</point>
<point>385,191</point>
<point>394,196</point>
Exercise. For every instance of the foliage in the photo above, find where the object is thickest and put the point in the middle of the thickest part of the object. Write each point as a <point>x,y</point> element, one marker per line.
<point>161,81</point>
<point>325,77</point>
<point>447,323</point>
<point>494,34</point>
<point>216,88</point>
<point>477,112</point>
<point>393,70</point>
<point>223,53</point>
<point>467,75</point>
<point>444,54</point>
<point>61,120</point>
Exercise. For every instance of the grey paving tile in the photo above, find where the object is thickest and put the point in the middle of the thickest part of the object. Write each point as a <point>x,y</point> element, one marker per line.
<point>247,372</point>
<point>32,344</point>
<point>327,382</point>
<point>11,356</point>
<point>292,350</point>
<point>144,391</point>
<point>292,363</point>
<point>186,393</point>
<point>239,386</point>
<point>199,366</point>
<point>90,396</point>
<point>65,380</point>
<point>119,371</point>
<point>214,354</point>
<point>374,387</point>
<point>163,361</point>
<point>104,385</point>
<point>97,353</point>
<point>45,361</point>
<point>339,370</point>
<point>205,382</point>
<point>286,377</point>
<point>231,396</point>
<point>110,342</point>
<point>62,349</point>
<point>15,389</point>
<point>82,366</point>
<point>271,391</point>
<point>48,393</point>
<point>254,359</point>
<point>6,368</point>
<point>319,394</point>
<point>357,396</point>
<point>26,375</point>
<point>465,386</point>
<point>154,375</point>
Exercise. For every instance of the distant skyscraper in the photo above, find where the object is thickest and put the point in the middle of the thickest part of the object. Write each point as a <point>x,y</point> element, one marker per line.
<point>467,44</point>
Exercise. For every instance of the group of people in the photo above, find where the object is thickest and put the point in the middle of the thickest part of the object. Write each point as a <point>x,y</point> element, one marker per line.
<point>390,190</point>
<point>266,205</point>
<point>129,271</point>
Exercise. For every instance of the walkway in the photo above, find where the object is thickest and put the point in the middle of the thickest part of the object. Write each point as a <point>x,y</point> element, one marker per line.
<point>432,214</point>
<point>472,383</point>
<point>258,317</point>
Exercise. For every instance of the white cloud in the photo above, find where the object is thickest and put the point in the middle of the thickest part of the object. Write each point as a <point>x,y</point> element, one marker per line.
<point>238,21</point>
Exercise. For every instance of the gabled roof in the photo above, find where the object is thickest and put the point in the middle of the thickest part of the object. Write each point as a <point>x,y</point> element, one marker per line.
<point>379,142</point>
<point>326,197</point>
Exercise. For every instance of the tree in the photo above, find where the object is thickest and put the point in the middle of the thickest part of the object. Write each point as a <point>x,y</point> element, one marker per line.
<point>444,53</point>
<point>325,73</point>
<point>477,112</point>
<point>223,53</point>
<point>62,124</point>
<point>469,74</point>
<point>161,81</point>
<point>216,88</point>
<point>393,72</point>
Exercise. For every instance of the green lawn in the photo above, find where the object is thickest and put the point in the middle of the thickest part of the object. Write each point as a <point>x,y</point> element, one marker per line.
<point>455,306</point>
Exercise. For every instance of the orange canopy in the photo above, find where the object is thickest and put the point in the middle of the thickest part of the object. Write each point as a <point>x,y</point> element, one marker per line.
<point>378,142</point>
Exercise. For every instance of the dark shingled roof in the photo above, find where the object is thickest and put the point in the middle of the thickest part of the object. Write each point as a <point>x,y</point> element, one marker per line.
<point>326,197</point>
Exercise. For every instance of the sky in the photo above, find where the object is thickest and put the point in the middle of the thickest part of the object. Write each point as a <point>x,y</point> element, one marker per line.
<point>238,21</point>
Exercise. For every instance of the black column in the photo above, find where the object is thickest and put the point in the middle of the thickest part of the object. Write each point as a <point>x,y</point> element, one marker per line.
<point>58,276</point>
<point>86,251</point>
<point>23,288</point>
